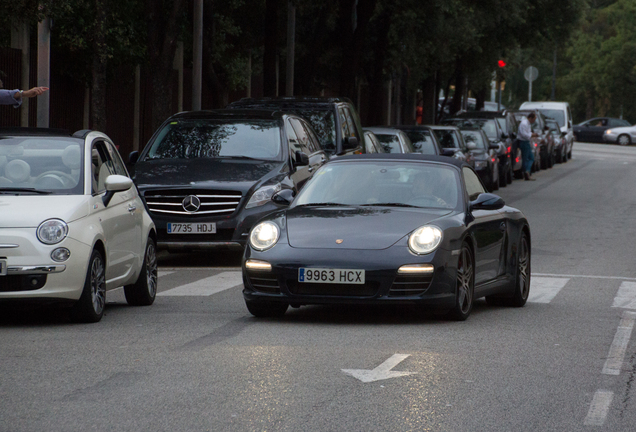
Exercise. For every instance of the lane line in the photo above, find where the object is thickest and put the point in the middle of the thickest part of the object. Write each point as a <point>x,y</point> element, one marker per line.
<point>626,296</point>
<point>614,361</point>
<point>584,276</point>
<point>163,273</point>
<point>599,408</point>
<point>208,286</point>
<point>544,289</point>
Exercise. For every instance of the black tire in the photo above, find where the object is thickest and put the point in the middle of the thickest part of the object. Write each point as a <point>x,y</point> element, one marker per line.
<point>90,306</point>
<point>509,174</point>
<point>564,158</point>
<point>502,179</point>
<point>522,277</point>
<point>465,291</point>
<point>623,140</point>
<point>144,291</point>
<point>494,183</point>
<point>266,309</point>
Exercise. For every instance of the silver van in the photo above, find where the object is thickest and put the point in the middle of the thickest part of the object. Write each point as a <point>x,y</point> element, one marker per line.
<point>559,111</point>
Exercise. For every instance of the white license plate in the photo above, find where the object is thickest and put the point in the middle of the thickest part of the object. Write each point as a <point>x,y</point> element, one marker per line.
<point>191,228</point>
<point>3,267</point>
<point>336,276</point>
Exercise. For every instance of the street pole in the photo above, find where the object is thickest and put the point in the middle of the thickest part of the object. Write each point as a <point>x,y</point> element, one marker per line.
<point>291,46</point>
<point>529,91</point>
<point>44,71</point>
<point>498,94</point>
<point>554,70</point>
<point>197,54</point>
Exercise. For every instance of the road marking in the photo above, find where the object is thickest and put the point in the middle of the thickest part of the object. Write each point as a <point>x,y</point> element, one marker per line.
<point>164,273</point>
<point>614,361</point>
<point>381,372</point>
<point>208,286</point>
<point>544,289</point>
<point>583,276</point>
<point>626,296</point>
<point>599,408</point>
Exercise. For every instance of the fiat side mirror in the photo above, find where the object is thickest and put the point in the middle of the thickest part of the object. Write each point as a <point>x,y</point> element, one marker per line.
<point>113,184</point>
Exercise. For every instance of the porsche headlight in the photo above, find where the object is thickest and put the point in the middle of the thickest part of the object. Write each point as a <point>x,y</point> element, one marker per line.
<point>425,239</point>
<point>264,236</point>
<point>52,231</point>
<point>263,195</point>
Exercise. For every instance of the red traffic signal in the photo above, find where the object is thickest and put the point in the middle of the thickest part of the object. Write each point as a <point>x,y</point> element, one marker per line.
<point>501,63</point>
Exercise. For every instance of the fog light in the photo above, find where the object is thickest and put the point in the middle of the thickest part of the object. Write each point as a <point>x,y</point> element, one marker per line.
<point>416,269</point>
<point>258,265</point>
<point>60,254</point>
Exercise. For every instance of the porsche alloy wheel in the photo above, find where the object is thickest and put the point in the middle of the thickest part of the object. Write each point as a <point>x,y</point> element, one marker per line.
<point>465,285</point>
<point>90,307</point>
<point>522,280</point>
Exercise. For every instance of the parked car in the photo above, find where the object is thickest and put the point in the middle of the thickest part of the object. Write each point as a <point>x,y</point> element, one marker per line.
<point>371,143</point>
<point>490,126</point>
<point>592,130</point>
<point>72,225</point>
<point>335,120</point>
<point>423,138</point>
<point>620,135</point>
<point>559,111</point>
<point>392,140</point>
<point>485,156</point>
<point>451,140</point>
<point>207,176</point>
<point>558,140</point>
<point>439,240</point>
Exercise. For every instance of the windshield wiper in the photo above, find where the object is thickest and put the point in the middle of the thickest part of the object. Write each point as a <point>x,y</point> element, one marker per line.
<point>28,190</point>
<point>324,204</point>
<point>388,204</point>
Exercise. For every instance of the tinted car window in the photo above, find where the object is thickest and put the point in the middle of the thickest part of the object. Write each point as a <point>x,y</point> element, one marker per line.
<point>558,115</point>
<point>617,123</point>
<point>473,185</point>
<point>377,182</point>
<point>390,143</point>
<point>188,139</point>
<point>475,137</point>
<point>422,141</point>
<point>447,138</point>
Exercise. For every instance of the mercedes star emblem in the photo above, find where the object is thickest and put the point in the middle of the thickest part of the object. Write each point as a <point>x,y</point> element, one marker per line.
<point>191,203</point>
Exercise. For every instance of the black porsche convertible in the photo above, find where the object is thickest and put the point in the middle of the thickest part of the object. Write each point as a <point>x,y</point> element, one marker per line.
<point>389,229</point>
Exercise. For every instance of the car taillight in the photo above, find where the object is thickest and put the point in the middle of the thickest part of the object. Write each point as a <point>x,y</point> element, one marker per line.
<point>508,149</point>
<point>517,160</point>
<point>494,159</point>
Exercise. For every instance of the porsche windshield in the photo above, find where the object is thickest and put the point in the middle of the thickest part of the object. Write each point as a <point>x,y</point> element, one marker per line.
<point>204,138</point>
<point>41,165</point>
<point>383,183</point>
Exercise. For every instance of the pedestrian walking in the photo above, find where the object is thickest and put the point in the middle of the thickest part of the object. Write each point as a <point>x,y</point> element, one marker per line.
<point>524,135</point>
<point>15,97</point>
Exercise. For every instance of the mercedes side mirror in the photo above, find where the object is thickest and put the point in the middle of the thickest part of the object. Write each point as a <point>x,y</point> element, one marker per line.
<point>133,157</point>
<point>351,143</point>
<point>493,146</point>
<point>301,159</point>
<point>487,201</point>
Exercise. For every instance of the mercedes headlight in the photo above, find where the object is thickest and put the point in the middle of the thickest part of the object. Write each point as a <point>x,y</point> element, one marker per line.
<point>425,239</point>
<point>263,195</point>
<point>52,231</point>
<point>264,236</point>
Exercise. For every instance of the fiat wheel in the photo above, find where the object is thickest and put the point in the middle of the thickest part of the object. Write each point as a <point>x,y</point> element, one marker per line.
<point>144,290</point>
<point>90,306</point>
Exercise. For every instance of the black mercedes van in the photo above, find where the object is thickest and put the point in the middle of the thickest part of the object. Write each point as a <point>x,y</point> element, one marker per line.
<point>207,176</point>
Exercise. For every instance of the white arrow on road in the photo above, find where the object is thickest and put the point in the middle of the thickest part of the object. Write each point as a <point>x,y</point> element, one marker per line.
<point>381,372</point>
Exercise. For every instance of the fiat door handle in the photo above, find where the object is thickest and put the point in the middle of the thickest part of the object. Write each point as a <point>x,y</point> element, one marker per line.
<point>310,169</point>
<point>502,226</point>
<point>131,208</point>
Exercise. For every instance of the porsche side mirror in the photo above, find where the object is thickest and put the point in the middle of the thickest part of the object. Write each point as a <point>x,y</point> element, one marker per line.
<point>284,197</point>
<point>487,201</point>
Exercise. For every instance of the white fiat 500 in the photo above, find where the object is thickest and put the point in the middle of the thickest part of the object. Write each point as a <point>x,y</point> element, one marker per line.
<point>72,225</point>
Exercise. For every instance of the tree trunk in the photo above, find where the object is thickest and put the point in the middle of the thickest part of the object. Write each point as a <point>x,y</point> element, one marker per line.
<point>376,84</point>
<point>429,100</point>
<point>98,84</point>
<point>271,47</point>
<point>480,98</point>
<point>162,45</point>
<point>456,103</point>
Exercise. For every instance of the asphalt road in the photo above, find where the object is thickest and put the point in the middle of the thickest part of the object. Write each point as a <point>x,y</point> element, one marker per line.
<point>198,361</point>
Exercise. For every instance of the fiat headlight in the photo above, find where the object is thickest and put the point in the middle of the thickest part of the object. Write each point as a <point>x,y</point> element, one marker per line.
<point>264,236</point>
<point>263,195</point>
<point>425,239</point>
<point>52,231</point>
